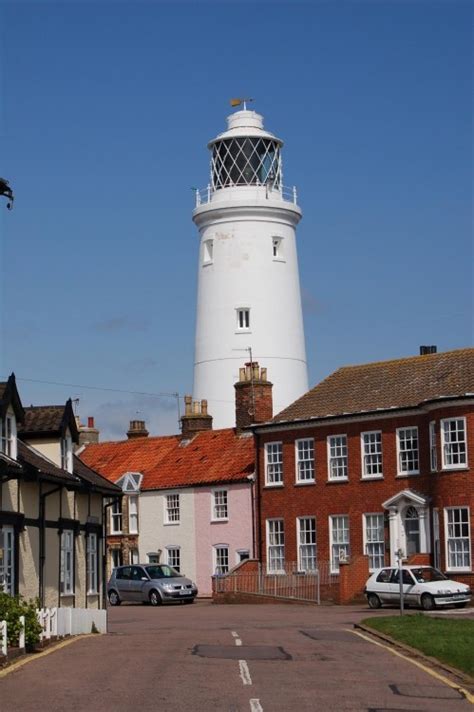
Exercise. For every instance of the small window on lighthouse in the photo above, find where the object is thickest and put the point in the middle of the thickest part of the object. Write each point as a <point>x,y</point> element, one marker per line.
<point>208,250</point>
<point>243,319</point>
<point>277,248</point>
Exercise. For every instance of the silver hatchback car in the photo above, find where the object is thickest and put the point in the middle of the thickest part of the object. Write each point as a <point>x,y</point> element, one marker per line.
<point>149,583</point>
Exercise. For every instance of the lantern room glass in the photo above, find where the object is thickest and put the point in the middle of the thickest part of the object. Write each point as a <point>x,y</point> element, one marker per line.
<point>246,161</point>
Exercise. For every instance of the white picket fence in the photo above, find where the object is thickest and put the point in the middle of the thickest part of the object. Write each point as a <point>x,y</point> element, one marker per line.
<point>59,622</point>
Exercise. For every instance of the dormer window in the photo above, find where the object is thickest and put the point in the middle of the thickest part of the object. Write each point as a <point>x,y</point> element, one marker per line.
<point>66,451</point>
<point>8,435</point>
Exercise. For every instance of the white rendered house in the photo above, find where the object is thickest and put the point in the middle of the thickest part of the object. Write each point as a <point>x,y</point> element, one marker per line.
<point>248,281</point>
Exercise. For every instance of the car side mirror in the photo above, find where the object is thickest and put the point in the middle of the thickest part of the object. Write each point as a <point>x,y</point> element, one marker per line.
<point>143,578</point>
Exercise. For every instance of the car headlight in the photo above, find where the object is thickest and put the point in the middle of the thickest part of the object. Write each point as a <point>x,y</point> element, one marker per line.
<point>443,591</point>
<point>168,586</point>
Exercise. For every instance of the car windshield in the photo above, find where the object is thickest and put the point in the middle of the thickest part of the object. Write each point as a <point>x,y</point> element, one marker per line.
<point>428,574</point>
<point>161,571</point>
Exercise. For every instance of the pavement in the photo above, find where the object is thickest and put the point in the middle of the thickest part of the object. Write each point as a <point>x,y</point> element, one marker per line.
<point>231,658</point>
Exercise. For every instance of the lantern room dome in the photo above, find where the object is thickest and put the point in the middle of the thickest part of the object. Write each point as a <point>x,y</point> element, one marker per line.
<point>244,123</point>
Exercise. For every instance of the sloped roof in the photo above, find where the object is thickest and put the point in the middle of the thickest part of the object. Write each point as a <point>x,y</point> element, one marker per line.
<point>27,455</point>
<point>211,457</point>
<point>9,396</point>
<point>383,385</point>
<point>84,472</point>
<point>49,420</point>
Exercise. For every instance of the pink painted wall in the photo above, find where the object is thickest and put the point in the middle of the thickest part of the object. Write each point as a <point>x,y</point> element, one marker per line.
<point>236,532</point>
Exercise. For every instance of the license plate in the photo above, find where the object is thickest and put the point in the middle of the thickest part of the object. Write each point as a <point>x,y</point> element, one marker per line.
<point>184,593</point>
<point>457,596</point>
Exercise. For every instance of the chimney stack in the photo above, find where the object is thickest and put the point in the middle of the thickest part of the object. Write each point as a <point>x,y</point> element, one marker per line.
<point>425,350</point>
<point>137,430</point>
<point>87,433</point>
<point>195,418</point>
<point>253,396</point>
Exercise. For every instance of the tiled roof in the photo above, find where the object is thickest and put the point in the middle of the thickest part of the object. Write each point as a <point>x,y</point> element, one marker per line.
<point>27,455</point>
<point>211,457</point>
<point>383,385</point>
<point>93,478</point>
<point>43,419</point>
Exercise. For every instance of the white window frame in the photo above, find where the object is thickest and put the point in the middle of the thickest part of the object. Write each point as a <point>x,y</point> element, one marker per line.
<point>134,556</point>
<point>115,557</point>
<point>445,445</point>
<point>412,454</point>
<point>132,515</point>
<point>91,566</point>
<point>307,543</point>
<point>116,517</point>
<point>374,547</point>
<point>433,451</point>
<point>365,474</point>
<point>173,557</point>
<point>304,465</point>
<point>7,568</point>
<point>340,543</point>
<point>275,541</point>
<point>66,451</point>
<point>242,319</point>
<point>208,252</point>
<point>221,559</point>
<point>172,508</point>
<point>338,460</point>
<point>8,435</point>
<point>67,563</point>
<point>274,464</point>
<point>220,505</point>
<point>450,536</point>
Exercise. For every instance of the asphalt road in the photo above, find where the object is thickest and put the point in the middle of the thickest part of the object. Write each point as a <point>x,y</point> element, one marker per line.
<point>270,658</point>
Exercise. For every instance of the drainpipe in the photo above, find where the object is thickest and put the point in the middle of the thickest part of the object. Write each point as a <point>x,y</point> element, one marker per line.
<point>42,543</point>
<point>258,553</point>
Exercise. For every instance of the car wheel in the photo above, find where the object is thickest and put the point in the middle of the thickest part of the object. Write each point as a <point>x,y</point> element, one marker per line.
<point>114,599</point>
<point>374,601</point>
<point>155,598</point>
<point>427,602</point>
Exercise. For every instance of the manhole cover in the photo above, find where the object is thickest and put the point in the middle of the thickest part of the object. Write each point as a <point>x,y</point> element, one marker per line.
<point>242,652</point>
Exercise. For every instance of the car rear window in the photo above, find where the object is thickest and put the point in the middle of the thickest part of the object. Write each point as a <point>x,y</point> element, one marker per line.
<point>384,576</point>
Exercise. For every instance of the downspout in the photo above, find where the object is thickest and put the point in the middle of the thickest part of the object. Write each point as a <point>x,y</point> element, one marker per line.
<point>42,543</point>
<point>258,553</point>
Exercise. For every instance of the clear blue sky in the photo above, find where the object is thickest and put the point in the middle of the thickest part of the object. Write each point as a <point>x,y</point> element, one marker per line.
<point>105,115</point>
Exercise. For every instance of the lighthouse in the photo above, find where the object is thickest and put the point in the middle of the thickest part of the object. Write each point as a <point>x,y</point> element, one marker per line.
<point>248,293</point>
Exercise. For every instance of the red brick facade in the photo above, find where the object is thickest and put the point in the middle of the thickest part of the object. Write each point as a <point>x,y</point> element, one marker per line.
<point>323,498</point>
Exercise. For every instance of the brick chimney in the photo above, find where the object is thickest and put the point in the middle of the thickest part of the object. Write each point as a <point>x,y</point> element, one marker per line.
<point>87,433</point>
<point>137,429</point>
<point>253,396</point>
<point>195,418</point>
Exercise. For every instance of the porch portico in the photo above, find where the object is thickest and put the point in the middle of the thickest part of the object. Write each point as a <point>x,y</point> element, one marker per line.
<point>409,524</point>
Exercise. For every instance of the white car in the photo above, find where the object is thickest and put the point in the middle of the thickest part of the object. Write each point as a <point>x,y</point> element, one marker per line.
<point>422,586</point>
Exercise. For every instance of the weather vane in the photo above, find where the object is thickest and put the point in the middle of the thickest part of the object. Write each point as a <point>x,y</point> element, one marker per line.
<point>7,192</point>
<point>240,100</point>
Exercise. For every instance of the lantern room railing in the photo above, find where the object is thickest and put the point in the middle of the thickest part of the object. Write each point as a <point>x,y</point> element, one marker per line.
<point>286,193</point>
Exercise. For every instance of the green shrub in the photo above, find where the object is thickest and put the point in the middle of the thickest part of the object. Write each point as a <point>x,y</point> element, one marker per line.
<point>11,608</point>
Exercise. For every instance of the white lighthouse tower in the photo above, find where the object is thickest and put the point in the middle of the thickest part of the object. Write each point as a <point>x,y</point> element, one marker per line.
<point>248,301</point>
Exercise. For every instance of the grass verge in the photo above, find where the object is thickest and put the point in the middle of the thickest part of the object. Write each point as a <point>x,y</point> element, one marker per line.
<point>449,641</point>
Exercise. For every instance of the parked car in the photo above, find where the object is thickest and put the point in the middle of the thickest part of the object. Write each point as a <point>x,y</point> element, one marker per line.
<point>423,586</point>
<point>149,583</point>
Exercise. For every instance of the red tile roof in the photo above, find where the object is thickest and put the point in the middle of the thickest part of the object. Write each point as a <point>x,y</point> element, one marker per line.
<point>211,457</point>
<point>402,383</point>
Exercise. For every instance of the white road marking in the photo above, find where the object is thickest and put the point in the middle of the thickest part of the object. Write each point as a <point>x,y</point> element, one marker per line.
<point>238,641</point>
<point>245,672</point>
<point>234,634</point>
<point>255,706</point>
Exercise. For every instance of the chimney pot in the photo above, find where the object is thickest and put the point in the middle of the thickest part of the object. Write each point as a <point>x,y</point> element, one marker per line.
<point>204,407</point>
<point>137,429</point>
<point>424,350</point>
<point>195,407</point>
<point>90,422</point>
<point>195,419</point>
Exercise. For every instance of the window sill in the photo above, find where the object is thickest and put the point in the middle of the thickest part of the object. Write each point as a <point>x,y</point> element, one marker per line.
<point>369,478</point>
<point>407,474</point>
<point>279,259</point>
<point>67,595</point>
<point>458,571</point>
<point>339,480</point>
<point>242,331</point>
<point>303,483</point>
<point>460,468</point>
<point>207,264</point>
<point>220,521</point>
<point>270,485</point>
<point>92,593</point>
<point>171,524</point>
<point>115,533</point>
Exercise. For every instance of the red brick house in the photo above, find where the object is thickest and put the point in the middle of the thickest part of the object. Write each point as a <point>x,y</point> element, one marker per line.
<point>375,458</point>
